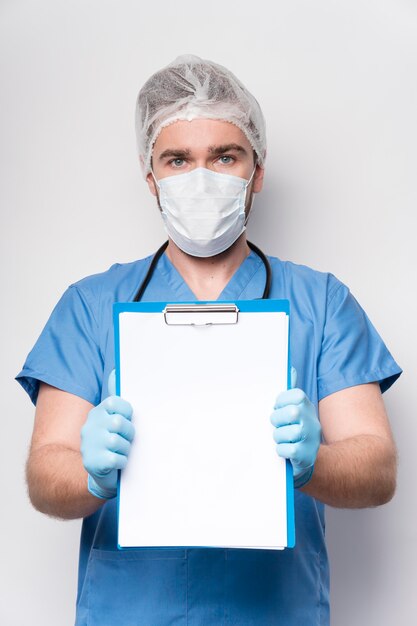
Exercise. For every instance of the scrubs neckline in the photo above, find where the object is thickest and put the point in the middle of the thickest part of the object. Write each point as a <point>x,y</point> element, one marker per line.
<point>233,289</point>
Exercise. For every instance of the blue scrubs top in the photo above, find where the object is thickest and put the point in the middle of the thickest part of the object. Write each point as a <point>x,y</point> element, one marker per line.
<point>333,346</point>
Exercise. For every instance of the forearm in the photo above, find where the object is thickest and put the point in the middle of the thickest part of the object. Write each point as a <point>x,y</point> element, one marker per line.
<point>354,473</point>
<point>57,483</point>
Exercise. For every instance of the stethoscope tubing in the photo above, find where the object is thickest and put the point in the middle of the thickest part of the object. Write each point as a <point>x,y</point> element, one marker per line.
<point>164,246</point>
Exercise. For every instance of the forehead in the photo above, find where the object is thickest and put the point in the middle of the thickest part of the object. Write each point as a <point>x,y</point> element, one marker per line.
<point>200,134</point>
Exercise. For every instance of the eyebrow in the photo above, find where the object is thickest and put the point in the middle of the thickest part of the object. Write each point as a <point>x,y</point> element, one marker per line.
<point>181,153</point>
<point>177,153</point>
<point>228,147</point>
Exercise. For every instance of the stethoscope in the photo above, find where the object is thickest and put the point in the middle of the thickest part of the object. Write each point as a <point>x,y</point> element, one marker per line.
<point>164,246</point>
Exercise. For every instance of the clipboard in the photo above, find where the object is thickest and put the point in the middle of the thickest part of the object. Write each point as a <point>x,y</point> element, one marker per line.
<point>202,379</point>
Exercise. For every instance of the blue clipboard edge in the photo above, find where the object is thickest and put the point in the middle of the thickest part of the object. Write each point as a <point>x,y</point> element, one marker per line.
<point>248,306</point>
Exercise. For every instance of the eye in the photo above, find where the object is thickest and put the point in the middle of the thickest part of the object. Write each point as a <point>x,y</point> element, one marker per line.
<point>225,159</point>
<point>176,162</point>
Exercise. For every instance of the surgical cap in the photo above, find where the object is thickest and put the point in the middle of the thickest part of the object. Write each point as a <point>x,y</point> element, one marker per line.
<point>191,88</point>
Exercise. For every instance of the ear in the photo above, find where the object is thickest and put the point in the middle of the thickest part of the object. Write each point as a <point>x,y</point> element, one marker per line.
<point>151,184</point>
<point>258,179</point>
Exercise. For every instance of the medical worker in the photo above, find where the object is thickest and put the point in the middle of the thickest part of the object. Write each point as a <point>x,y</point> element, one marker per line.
<point>202,148</point>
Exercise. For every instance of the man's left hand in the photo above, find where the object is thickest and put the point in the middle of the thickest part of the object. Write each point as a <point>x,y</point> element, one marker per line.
<point>297,432</point>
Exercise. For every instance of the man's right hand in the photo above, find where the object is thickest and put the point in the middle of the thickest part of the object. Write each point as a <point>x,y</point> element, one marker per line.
<point>105,442</point>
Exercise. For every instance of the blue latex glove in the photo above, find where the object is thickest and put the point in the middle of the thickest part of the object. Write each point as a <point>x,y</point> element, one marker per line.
<point>105,442</point>
<point>298,431</point>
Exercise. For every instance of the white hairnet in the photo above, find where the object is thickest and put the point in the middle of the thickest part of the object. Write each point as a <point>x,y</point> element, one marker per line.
<point>190,88</point>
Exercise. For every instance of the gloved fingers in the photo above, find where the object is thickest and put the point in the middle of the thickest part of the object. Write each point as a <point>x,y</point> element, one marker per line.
<point>103,464</point>
<point>288,434</point>
<point>291,396</point>
<point>121,426</point>
<point>115,404</point>
<point>286,415</point>
<point>301,454</point>
<point>111,383</point>
<point>288,451</point>
<point>295,453</point>
<point>110,461</point>
<point>118,444</point>
<point>293,378</point>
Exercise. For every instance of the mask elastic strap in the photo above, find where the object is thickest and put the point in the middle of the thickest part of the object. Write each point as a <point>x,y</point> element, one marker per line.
<point>250,211</point>
<point>156,182</point>
<point>246,189</point>
<point>251,176</point>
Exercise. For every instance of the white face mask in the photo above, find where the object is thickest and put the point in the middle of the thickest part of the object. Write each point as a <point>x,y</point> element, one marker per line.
<point>203,211</point>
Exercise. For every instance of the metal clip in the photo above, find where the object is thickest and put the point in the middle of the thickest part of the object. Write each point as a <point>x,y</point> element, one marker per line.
<point>200,314</point>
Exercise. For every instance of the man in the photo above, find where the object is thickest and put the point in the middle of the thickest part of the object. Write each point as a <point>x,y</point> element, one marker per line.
<point>201,139</point>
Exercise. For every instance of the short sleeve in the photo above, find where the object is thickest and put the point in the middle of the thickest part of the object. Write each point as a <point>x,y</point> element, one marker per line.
<point>67,354</point>
<point>352,351</point>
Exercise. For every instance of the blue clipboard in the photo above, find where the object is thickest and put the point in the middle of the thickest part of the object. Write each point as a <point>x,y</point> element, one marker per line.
<point>215,312</point>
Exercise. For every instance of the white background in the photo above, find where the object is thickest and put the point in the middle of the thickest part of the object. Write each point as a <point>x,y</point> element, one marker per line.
<point>337,83</point>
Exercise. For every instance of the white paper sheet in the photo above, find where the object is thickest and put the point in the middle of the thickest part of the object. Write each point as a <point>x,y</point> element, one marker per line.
<point>203,470</point>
